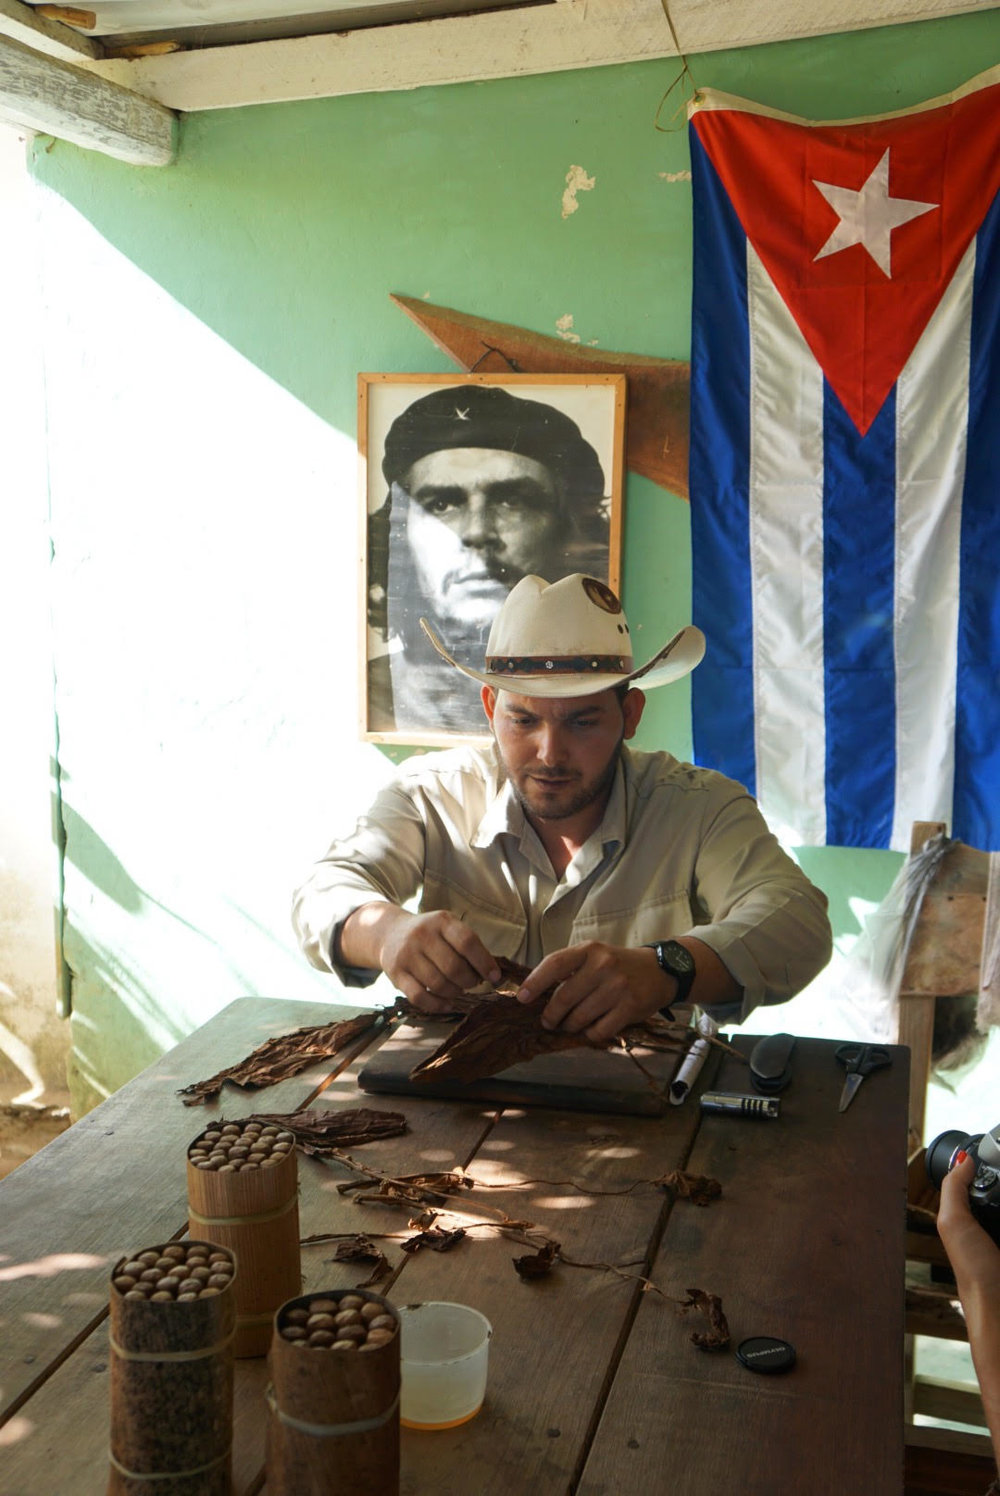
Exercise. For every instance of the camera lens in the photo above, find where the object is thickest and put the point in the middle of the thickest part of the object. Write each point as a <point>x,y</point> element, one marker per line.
<point>941,1152</point>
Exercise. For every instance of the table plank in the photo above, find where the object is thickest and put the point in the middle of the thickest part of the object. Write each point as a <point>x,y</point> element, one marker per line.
<point>830,1281</point>
<point>117,1179</point>
<point>58,1441</point>
<point>556,1333</point>
<point>526,1416</point>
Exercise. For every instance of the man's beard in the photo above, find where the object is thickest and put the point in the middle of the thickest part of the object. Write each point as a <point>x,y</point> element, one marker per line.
<point>575,797</point>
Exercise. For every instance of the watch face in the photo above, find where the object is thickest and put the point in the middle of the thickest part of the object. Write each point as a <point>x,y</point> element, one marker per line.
<point>677,958</point>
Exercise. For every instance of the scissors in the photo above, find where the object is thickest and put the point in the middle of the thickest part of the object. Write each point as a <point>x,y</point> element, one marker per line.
<point>859,1060</point>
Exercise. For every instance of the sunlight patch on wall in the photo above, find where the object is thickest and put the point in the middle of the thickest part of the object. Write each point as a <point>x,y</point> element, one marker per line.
<point>204,528</point>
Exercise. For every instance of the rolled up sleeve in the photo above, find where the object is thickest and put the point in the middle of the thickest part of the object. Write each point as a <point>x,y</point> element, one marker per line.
<point>381,861</point>
<point>764,919</point>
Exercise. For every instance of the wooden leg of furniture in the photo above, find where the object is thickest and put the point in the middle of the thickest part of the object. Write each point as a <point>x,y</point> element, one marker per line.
<point>916,1029</point>
<point>932,1310</point>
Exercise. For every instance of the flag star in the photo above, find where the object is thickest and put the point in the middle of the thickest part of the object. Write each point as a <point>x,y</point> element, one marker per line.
<point>868,216</point>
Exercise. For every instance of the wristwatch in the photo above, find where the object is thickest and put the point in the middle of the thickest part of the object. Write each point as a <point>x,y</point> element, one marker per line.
<point>677,961</point>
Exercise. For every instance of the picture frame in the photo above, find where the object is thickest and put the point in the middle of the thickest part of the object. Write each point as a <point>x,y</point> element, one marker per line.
<point>467,483</point>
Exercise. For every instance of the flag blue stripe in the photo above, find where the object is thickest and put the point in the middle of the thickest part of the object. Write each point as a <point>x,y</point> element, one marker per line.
<point>976,805</point>
<point>859,507</point>
<point>722,686</point>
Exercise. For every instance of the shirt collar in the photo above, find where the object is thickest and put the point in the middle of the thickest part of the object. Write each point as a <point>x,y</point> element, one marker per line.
<point>504,816</point>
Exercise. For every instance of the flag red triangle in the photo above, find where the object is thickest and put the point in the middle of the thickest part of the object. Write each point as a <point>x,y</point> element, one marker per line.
<point>860,322</point>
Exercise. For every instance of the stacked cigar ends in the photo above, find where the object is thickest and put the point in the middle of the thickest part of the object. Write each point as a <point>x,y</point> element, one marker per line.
<point>333,1428</point>
<point>242,1181</point>
<point>172,1372</point>
<point>183,1311</point>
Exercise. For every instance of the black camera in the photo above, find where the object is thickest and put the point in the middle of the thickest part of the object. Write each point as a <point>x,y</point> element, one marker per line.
<point>984,1191</point>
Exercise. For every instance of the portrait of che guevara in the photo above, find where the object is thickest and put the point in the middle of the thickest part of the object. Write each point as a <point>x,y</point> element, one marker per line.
<point>474,485</point>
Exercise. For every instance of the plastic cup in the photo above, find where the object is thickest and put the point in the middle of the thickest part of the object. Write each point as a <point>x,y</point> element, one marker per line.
<point>443,1358</point>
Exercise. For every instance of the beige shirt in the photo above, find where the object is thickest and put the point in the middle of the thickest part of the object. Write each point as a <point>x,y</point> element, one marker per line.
<point>680,851</point>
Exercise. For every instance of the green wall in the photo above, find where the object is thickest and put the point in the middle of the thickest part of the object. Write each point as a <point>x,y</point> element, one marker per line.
<point>284,228</point>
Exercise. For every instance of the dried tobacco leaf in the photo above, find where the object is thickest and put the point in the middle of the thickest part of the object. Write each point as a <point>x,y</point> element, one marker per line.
<point>408,1189</point>
<point>498,1033</point>
<point>362,1249</point>
<point>284,1055</point>
<point>323,1132</point>
<point>716,1338</point>
<point>435,1238</point>
<point>700,1189</point>
<point>537,1264</point>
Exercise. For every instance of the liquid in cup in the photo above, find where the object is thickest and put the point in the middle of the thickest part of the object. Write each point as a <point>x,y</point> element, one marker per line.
<point>444,1353</point>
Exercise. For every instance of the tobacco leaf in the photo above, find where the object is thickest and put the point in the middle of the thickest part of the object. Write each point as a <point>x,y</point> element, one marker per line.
<point>408,1189</point>
<point>537,1264</point>
<point>655,1032</point>
<point>498,1033</point>
<point>324,1131</point>
<point>435,1238</point>
<point>716,1338</point>
<point>284,1055</point>
<point>362,1249</point>
<point>700,1189</point>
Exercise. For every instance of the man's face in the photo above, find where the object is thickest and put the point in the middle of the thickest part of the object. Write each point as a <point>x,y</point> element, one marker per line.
<point>560,755</point>
<point>477,522</point>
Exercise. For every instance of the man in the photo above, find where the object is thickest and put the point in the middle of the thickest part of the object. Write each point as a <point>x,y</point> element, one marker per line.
<point>626,880</point>
<point>485,487</point>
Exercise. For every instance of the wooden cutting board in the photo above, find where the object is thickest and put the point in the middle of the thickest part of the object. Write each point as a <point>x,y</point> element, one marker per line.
<point>591,1080</point>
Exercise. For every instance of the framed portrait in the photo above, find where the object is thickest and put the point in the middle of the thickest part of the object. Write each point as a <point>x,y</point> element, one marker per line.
<point>470,482</point>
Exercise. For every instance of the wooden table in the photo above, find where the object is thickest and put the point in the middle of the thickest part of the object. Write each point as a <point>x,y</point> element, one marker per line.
<point>595,1387</point>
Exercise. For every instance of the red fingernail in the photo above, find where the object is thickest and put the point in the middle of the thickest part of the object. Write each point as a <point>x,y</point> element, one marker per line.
<point>961,1156</point>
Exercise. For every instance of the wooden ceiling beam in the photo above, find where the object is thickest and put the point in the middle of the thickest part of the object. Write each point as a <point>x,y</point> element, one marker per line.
<point>546,38</point>
<point>23,24</point>
<point>56,98</point>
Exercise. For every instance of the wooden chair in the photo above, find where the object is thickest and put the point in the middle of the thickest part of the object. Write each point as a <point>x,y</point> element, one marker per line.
<point>943,960</point>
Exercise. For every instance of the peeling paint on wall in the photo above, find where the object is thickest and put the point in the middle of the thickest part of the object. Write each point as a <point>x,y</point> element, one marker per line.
<point>564,329</point>
<point>674,176</point>
<point>577,180</point>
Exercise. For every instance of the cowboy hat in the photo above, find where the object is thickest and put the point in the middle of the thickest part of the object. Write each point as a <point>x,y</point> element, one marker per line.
<point>570,638</point>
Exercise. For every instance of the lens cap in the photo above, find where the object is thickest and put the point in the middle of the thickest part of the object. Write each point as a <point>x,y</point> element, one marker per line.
<point>770,1068</point>
<point>765,1354</point>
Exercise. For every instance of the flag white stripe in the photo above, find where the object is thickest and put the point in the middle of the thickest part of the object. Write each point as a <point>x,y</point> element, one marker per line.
<point>786,563</point>
<point>932,412</point>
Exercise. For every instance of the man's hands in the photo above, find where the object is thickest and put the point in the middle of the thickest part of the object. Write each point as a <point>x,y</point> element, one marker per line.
<point>430,958</point>
<point>601,988</point>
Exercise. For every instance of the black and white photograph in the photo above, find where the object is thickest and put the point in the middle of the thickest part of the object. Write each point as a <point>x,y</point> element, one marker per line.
<point>470,482</point>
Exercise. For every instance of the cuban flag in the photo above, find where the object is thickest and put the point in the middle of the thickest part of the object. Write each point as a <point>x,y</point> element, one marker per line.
<point>845,464</point>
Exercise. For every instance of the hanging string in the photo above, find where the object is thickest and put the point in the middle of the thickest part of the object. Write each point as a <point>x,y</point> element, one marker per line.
<point>685,73</point>
<point>489,348</point>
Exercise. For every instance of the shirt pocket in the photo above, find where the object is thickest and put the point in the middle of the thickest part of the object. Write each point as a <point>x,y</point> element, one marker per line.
<point>496,915</point>
<point>652,919</point>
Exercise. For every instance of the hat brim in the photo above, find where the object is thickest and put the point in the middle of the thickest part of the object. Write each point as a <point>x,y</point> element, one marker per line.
<point>677,658</point>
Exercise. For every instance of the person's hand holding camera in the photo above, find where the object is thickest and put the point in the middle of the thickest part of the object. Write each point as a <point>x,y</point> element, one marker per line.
<point>973,1254</point>
<point>975,1260</point>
